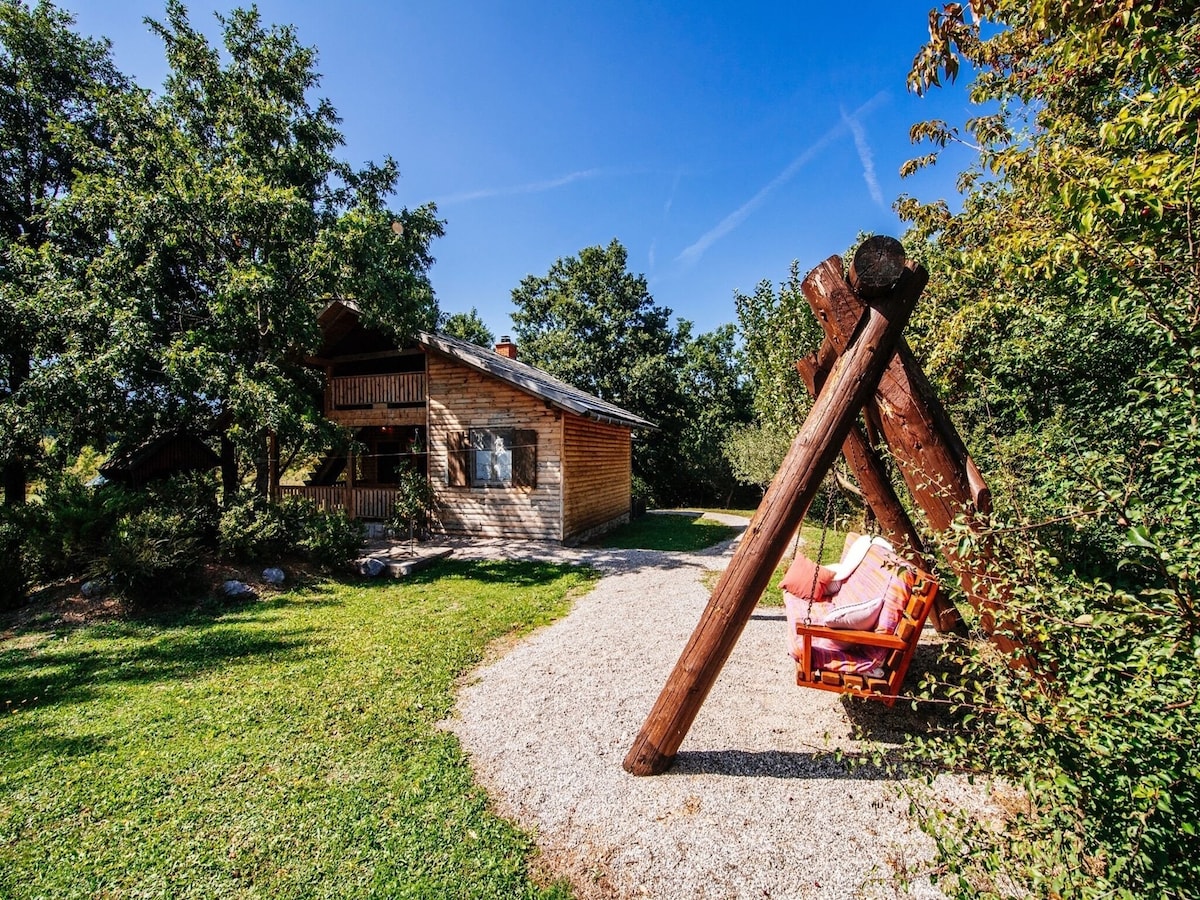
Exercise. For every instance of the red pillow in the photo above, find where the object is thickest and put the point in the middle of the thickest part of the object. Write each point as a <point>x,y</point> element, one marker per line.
<point>799,578</point>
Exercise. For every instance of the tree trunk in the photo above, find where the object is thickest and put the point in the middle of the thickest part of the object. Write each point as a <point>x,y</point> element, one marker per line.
<point>784,505</point>
<point>230,479</point>
<point>14,482</point>
<point>16,470</point>
<point>262,464</point>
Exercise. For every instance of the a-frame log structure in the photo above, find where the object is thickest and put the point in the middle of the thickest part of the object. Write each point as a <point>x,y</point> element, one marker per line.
<point>863,367</point>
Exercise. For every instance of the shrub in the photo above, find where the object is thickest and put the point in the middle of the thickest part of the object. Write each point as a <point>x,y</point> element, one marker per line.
<point>66,529</point>
<point>414,505</point>
<point>252,528</point>
<point>330,538</point>
<point>255,529</point>
<point>1099,741</point>
<point>195,496</point>
<point>150,554</point>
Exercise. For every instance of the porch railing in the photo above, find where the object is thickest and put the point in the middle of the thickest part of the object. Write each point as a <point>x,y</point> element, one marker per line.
<point>358,502</point>
<point>349,391</point>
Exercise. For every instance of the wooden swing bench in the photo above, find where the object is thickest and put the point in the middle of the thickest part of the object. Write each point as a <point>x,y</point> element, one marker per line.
<point>862,368</point>
<point>901,644</point>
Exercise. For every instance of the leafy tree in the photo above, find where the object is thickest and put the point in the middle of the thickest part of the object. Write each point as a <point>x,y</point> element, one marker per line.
<point>755,453</point>
<point>590,322</point>
<point>467,326</point>
<point>593,324</point>
<point>776,329</point>
<point>232,221</point>
<point>51,81</point>
<point>1076,243</point>
<point>718,401</point>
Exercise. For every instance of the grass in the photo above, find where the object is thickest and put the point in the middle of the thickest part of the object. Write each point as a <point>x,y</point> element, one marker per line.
<point>673,531</point>
<point>811,540</point>
<point>286,748</point>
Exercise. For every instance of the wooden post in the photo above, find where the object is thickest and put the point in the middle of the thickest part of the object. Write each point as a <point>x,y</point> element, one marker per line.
<point>350,466</point>
<point>871,475</point>
<point>932,458</point>
<point>851,384</point>
<point>877,266</point>
<point>882,500</point>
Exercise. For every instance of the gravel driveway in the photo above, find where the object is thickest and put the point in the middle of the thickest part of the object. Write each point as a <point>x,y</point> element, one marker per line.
<point>756,804</point>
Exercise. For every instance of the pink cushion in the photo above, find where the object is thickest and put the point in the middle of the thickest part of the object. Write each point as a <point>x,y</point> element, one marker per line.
<point>799,578</point>
<point>881,580</point>
<point>881,576</point>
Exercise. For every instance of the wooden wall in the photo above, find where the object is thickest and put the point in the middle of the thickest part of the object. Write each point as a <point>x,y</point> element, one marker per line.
<point>460,399</point>
<point>597,476</point>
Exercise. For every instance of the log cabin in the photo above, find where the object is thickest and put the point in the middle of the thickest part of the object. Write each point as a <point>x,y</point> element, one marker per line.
<point>508,450</point>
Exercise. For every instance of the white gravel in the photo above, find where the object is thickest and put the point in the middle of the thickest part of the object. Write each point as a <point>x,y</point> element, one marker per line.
<point>756,804</point>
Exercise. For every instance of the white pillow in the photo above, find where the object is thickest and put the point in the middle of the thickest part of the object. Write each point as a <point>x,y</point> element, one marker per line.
<point>860,616</point>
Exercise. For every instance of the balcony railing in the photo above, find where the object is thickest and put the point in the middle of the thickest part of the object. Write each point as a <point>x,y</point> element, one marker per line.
<point>368,391</point>
<point>358,502</point>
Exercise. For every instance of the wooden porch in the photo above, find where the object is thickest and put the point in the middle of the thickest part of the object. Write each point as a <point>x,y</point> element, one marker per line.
<point>359,502</point>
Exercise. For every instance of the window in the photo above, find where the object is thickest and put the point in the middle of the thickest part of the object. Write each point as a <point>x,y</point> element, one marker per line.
<point>492,457</point>
<point>491,453</point>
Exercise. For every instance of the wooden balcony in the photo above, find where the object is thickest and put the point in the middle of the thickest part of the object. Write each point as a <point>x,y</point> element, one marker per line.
<point>397,399</point>
<point>359,502</point>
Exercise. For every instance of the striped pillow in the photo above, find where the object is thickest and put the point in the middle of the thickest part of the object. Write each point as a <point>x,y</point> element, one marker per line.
<point>860,615</point>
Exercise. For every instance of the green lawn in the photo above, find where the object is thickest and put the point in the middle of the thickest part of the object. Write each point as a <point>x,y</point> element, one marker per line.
<point>285,748</point>
<point>811,534</point>
<point>668,531</point>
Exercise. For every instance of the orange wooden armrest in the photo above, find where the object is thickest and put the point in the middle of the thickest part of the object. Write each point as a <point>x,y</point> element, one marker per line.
<point>871,638</point>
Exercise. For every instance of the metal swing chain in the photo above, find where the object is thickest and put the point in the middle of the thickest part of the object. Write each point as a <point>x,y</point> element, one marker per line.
<point>825,522</point>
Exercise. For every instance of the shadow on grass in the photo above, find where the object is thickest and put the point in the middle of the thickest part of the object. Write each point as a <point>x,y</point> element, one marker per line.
<point>59,675</point>
<point>518,573</point>
<point>27,740</point>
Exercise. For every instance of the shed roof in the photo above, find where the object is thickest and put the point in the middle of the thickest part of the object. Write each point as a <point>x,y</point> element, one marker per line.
<point>173,451</point>
<point>340,317</point>
<point>531,380</point>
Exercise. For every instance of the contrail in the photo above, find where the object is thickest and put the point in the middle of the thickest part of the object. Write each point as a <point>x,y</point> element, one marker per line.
<point>865,156</point>
<point>692,253</point>
<point>533,187</point>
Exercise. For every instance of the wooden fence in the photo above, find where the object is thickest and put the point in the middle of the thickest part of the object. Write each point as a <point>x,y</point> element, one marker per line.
<point>359,502</point>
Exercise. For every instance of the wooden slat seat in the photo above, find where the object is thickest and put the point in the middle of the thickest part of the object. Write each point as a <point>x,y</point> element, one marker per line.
<point>903,644</point>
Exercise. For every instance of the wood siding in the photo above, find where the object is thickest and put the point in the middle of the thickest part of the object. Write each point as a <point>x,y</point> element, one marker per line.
<point>461,399</point>
<point>356,401</point>
<point>368,390</point>
<point>597,476</point>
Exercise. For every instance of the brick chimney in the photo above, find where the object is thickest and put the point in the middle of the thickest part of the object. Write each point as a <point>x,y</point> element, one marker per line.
<point>506,347</point>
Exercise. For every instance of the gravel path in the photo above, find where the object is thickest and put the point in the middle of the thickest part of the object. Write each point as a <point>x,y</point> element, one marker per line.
<point>756,804</point>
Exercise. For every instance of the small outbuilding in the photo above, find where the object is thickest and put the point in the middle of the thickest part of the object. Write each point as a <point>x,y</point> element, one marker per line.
<point>509,450</point>
<point>169,454</point>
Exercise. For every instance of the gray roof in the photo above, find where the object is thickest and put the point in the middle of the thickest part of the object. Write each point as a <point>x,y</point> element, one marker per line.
<point>531,380</point>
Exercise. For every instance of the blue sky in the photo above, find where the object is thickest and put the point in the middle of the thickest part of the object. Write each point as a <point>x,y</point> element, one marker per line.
<point>716,141</point>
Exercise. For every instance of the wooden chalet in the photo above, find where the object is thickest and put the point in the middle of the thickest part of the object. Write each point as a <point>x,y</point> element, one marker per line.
<point>509,450</point>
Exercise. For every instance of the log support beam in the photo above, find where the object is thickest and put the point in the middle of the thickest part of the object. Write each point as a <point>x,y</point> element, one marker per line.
<point>881,498</point>
<point>939,473</point>
<point>852,383</point>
